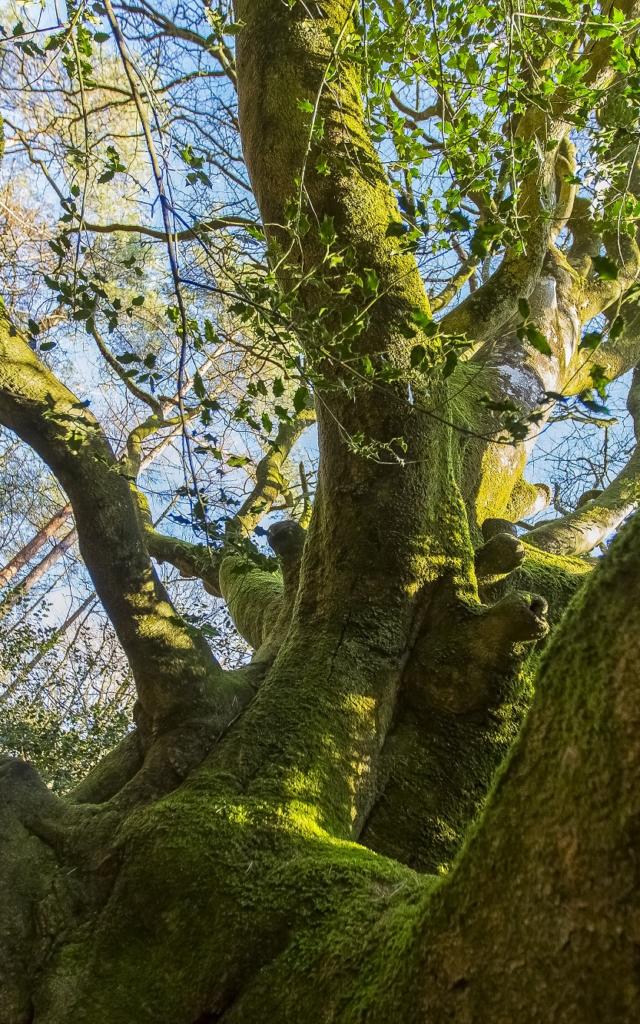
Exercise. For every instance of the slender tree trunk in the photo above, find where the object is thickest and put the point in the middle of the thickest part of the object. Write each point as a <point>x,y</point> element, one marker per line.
<point>26,554</point>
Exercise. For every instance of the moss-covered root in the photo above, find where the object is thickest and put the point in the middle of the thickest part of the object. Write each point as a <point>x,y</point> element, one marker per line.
<point>111,773</point>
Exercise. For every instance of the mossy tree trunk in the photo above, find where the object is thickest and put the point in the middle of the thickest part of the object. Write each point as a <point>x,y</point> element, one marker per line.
<point>268,844</point>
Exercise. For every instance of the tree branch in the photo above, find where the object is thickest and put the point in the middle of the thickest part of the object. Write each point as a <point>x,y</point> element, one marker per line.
<point>159,645</point>
<point>595,520</point>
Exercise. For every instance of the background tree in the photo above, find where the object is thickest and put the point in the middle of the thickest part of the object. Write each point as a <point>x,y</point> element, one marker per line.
<point>416,224</point>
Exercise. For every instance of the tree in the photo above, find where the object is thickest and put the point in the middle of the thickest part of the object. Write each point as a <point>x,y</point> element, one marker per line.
<point>332,832</point>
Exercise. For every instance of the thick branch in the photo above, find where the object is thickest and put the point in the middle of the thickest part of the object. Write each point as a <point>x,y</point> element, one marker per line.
<point>47,416</point>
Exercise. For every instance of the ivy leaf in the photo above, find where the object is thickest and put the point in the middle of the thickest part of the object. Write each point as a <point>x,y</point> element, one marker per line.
<point>538,341</point>
<point>605,268</point>
<point>418,352</point>
<point>300,399</point>
<point>524,309</point>
<point>327,231</point>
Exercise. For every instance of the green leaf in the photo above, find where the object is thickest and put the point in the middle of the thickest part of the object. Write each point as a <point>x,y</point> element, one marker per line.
<point>450,363</point>
<point>372,281</point>
<point>599,379</point>
<point>524,309</point>
<point>590,341</point>
<point>616,328</point>
<point>418,352</point>
<point>301,398</point>
<point>210,335</point>
<point>605,268</point>
<point>538,341</point>
<point>458,221</point>
<point>327,231</point>
<point>198,385</point>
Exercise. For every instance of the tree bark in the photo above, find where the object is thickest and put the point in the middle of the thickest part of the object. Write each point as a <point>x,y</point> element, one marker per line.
<point>310,837</point>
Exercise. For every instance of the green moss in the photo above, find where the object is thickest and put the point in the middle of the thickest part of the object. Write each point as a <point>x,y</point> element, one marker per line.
<point>487,471</point>
<point>525,497</point>
<point>555,577</point>
<point>253,597</point>
<point>214,896</point>
<point>437,770</point>
<point>550,871</point>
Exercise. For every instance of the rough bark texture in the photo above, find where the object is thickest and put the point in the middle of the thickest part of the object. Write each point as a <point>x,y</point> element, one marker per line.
<point>320,835</point>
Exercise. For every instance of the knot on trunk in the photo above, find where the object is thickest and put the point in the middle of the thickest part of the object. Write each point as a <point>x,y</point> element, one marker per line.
<point>468,659</point>
<point>501,555</point>
<point>492,527</point>
<point>286,538</point>
<point>588,496</point>
<point>517,618</point>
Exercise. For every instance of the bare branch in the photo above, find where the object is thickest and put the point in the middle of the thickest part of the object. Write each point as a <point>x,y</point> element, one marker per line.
<point>593,521</point>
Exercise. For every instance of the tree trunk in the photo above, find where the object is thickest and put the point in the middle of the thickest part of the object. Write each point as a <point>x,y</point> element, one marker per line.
<point>287,842</point>
<point>26,554</point>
